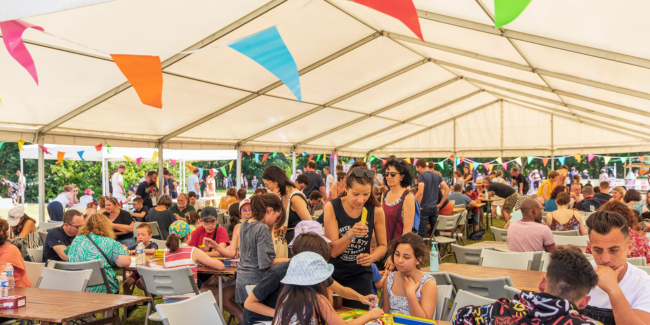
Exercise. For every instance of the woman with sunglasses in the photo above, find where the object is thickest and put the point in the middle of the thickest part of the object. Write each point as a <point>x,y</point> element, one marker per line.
<point>275,180</point>
<point>399,178</point>
<point>351,235</point>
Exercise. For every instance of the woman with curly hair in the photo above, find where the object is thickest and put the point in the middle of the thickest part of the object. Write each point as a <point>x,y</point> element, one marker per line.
<point>638,243</point>
<point>96,241</point>
<point>399,178</point>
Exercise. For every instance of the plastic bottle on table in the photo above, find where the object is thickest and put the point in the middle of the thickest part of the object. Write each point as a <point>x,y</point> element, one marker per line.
<point>433,258</point>
<point>9,270</point>
<point>4,285</point>
<point>140,256</point>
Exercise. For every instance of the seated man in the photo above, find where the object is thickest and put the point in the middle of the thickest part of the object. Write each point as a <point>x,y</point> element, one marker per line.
<point>182,206</point>
<point>562,294</point>
<point>621,296</point>
<point>529,234</point>
<point>302,181</point>
<point>517,215</point>
<point>458,197</point>
<point>589,204</point>
<point>59,238</point>
<point>604,196</point>
<point>576,195</point>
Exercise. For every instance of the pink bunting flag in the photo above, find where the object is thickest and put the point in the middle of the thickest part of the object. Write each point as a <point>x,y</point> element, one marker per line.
<point>44,150</point>
<point>12,35</point>
<point>137,161</point>
<point>505,165</point>
<point>173,162</point>
<point>590,157</point>
<point>402,10</point>
<point>486,166</point>
<point>415,161</point>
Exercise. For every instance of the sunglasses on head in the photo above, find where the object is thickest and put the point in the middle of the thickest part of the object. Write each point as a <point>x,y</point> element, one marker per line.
<point>358,172</point>
<point>391,174</point>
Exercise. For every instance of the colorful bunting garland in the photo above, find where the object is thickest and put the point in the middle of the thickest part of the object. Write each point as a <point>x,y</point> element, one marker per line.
<point>81,155</point>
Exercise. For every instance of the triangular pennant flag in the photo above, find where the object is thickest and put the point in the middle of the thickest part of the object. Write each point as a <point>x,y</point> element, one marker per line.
<point>607,159</point>
<point>324,157</point>
<point>275,154</point>
<point>475,166</point>
<point>518,160</point>
<point>499,160</point>
<point>223,170</point>
<point>590,157</point>
<point>304,154</point>
<point>257,157</point>
<point>173,162</point>
<point>383,162</point>
<point>109,149</point>
<point>200,172</point>
<point>144,72</point>
<point>248,152</point>
<point>190,167</point>
<point>561,160</point>
<point>44,150</point>
<point>578,157</point>
<point>641,158</point>
<point>81,155</point>
<point>408,160</point>
<point>372,158</point>
<point>442,165</point>
<point>21,142</point>
<point>230,165</point>
<point>128,159</point>
<point>59,157</point>
<point>486,166</point>
<point>451,157</point>
<point>505,165</point>
<point>211,171</point>
<point>530,158</point>
<point>624,159</point>
<point>402,10</point>
<point>471,166</point>
<point>12,35</point>
<point>365,159</point>
<point>154,156</point>
<point>138,161</point>
<point>1,143</point>
<point>457,161</point>
<point>98,147</point>
<point>415,161</point>
<point>241,155</point>
<point>268,49</point>
<point>266,155</point>
<point>505,11</point>
<point>490,167</point>
<point>351,161</point>
<point>310,157</point>
<point>318,158</point>
<point>545,161</point>
<point>461,159</point>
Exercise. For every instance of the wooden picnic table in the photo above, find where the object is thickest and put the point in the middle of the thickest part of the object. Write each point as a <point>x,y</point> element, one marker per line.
<point>58,306</point>
<point>459,209</point>
<point>521,279</point>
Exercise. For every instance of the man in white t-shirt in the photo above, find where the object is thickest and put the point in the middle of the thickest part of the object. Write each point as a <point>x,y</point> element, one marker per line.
<point>22,184</point>
<point>118,184</point>
<point>193,183</point>
<point>603,176</point>
<point>621,296</point>
<point>329,179</point>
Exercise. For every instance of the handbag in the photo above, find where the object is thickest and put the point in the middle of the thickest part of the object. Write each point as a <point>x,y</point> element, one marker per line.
<point>382,261</point>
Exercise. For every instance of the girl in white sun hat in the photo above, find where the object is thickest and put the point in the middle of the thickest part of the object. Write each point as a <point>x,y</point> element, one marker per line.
<point>303,299</point>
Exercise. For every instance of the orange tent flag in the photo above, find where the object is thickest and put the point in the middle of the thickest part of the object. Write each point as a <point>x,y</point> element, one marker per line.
<point>545,161</point>
<point>144,72</point>
<point>190,167</point>
<point>59,157</point>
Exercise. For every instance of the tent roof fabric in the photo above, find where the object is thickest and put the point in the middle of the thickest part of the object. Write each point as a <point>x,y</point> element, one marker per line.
<point>555,81</point>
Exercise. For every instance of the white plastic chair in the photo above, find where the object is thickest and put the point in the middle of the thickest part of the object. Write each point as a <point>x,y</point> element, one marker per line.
<point>155,230</point>
<point>35,254</point>
<point>445,223</point>
<point>64,280</point>
<point>571,240</point>
<point>442,302</point>
<point>511,292</point>
<point>201,309</point>
<point>44,226</point>
<point>499,234</point>
<point>566,233</point>
<point>645,268</point>
<point>467,255</point>
<point>165,282</point>
<point>162,244</point>
<point>546,258</point>
<point>637,261</point>
<point>464,298</point>
<point>98,276</point>
<point>249,289</point>
<point>510,260</point>
<point>34,271</point>
<point>489,287</point>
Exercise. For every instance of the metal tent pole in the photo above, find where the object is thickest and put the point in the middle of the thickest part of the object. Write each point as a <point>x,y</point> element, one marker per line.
<point>41,181</point>
<point>238,177</point>
<point>161,177</point>
<point>293,163</point>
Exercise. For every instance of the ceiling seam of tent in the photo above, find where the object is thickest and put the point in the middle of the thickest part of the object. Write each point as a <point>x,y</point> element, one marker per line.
<point>168,62</point>
<point>337,100</point>
<point>379,111</point>
<point>275,85</point>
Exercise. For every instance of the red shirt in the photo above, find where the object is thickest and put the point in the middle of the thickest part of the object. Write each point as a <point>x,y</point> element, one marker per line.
<point>199,233</point>
<point>474,197</point>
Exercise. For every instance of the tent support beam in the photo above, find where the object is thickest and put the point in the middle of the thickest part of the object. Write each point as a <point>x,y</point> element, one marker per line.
<point>436,125</point>
<point>454,162</point>
<point>269,88</point>
<point>336,100</point>
<point>41,181</point>
<point>293,163</point>
<point>411,119</point>
<point>379,111</point>
<point>552,144</point>
<point>168,62</point>
<point>238,177</point>
<point>161,166</point>
<point>501,123</point>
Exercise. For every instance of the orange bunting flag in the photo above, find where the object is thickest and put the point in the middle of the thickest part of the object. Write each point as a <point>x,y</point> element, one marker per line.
<point>211,170</point>
<point>98,147</point>
<point>545,161</point>
<point>266,155</point>
<point>248,152</point>
<point>641,158</point>
<point>59,157</point>
<point>407,160</point>
<point>190,167</point>
<point>402,10</point>
<point>578,157</point>
<point>144,72</point>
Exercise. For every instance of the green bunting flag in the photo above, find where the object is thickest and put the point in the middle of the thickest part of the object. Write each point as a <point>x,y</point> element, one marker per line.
<point>1,143</point>
<point>318,158</point>
<point>223,170</point>
<point>275,154</point>
<point>624,159</point>
<point>442,165</point>
<point>506,11</point>
<point>530,159</point>
<point>109,149</point>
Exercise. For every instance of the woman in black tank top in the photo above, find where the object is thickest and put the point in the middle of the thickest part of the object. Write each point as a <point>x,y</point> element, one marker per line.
<point>350,238</point>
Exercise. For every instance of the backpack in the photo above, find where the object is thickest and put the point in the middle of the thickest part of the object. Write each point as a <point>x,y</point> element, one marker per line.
<point>477,235</point>
<point>416,215</point>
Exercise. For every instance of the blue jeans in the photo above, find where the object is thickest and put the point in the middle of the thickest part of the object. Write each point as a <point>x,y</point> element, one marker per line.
<point>128,242</point>
<point>428,216</point>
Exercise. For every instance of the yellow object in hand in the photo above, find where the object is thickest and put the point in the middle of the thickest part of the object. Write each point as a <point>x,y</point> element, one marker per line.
<point>364,215</point>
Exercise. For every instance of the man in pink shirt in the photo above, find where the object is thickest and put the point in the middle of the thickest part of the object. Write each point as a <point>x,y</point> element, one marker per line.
<point>529,234</point>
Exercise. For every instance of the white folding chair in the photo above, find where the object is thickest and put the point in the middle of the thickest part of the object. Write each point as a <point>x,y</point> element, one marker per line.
<point>499,234</point>
<point>155,230</point>
<point>64,280</point>
<point>166,282</point>
<point>645,268</point>
<point>489,287</point>
<point>467,255</point>
<point>43,235</point>
<point>44,226</point>
<point>34,271</point>
<point>98,276</point>
<point>637,261</point>
<point>442,302</point>
<point>566,233</point>
<point>162,244</point>
<point>35,254</point>
<point>249,289</point>
<point>571,240</point>
<point>511,292</point>
<point>464,298</point>
<point>445,223</point>
<point>201,309</point>
<point>509,260</point>
<point>546,258</point>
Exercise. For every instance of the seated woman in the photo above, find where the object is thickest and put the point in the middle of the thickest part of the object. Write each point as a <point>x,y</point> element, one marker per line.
<point>121,222</point>
<point>564,219</point>
<point>231,197</point>
<point>550,205</point>
<point>10,254</point>
<point>23,230</point>
<point>410,291</point>
<point>95,240</point>
<point>162,215</point>
<point>447,208</point>
<point>633,200</point>
<point>638,242</point>
<point>618,194</point>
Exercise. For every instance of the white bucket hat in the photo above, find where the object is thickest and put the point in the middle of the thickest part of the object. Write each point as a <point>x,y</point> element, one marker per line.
<point>307,268</point>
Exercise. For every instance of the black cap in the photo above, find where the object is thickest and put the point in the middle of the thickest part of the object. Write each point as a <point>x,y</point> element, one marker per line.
<point>209,213</point>
<point>468,188</point>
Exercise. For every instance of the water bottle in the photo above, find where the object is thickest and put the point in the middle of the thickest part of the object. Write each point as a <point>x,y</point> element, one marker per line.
<point>4,285</point>
<point>140,256</point>
<point>433,258</point>
<point>9,270</point>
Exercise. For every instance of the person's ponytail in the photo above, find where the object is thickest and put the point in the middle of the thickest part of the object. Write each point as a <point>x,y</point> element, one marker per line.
<point>172,243</point>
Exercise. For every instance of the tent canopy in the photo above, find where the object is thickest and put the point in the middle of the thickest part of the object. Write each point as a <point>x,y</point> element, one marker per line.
<point>558,80</point>
<point>117,154</point>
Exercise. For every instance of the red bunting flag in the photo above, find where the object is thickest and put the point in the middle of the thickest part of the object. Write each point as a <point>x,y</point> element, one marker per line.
<point>266,155</point>
<point>402,10</point>
<point>590,157</point>
<point>211,172</point>
<point>44,149</point>
<point>383,162</point>
<point>144,72</point>
<point>545,161</point>
<point>310,157</point>
<point>98,147</point>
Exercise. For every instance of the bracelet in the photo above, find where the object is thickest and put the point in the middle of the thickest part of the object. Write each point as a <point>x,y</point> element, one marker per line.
<point>348,236</point>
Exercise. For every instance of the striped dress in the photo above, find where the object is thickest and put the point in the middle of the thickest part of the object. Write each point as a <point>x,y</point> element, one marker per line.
<point>181,257</point>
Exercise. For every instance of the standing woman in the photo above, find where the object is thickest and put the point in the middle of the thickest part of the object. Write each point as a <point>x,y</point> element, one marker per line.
<point>398,177</point>
<point>467,175</point>
<point>276,180</point>
<point>350,237</point>
<point>121,222</point>
<point>338,188</point>
<point>63,200</point>
<point>211,187</point>
<point>231,197</point>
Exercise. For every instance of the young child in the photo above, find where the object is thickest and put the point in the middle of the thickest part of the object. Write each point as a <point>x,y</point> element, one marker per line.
<point>315,201</point>
<point>409,290</point>
<point>233,250</point>
<point>193,219</point>
<point>302,181</point>
<point>378,278</point>
<point>139,210</point>
<point>304,295</point>
<point>143,234</point>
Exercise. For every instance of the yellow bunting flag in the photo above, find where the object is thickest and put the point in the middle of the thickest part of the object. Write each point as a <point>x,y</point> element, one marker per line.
<point>471,166</point>
<point>407,160</point>
<point>492,166</point>
<point>578,157</point>
<point>230,165</point>
<point>607,159</point>
<point>324,157</point>
<point>128,159</point>
<point>155,156</point>
<point>518,160</point>
<point>21,142</point>
<point>59,157</point>
<point>499,161</point>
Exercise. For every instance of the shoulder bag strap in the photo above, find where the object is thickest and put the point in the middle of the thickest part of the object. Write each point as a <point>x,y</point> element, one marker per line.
<point>399,213</point>
<point>286,219</point>
<point>100,250</point>
<point>214,237</point>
